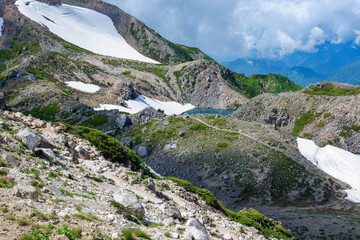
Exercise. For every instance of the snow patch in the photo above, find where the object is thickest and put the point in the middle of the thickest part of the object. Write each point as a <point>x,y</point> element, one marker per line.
<point>83,27</point>
<point>142,102</point>
<point>1,25</point>
<point>336,162</point>
<point>84,87</point>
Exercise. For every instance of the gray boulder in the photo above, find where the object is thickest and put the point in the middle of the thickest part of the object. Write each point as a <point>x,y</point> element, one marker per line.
<point>10,159</point>
<point>182,134</point>
<point>123,121</point>
<point>130,203</point>
<point>143,151</point>
<point>171,211</point>
<point>150,184</point>
<point>26,191</point>
<point>34,140</point>
<point>83,154</point>
<point>2,101</point>
<point>195,230</point>
<point>45,153</point>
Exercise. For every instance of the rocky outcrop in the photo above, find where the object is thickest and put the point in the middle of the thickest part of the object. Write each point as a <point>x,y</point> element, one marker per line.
<point>325,119</point>
<point>2,101</point>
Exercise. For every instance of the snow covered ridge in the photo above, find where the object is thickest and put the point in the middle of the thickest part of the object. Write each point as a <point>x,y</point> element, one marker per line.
<point>83,27</point>
<point>1,25</point>
<point>336,162</point>
<point>84,87</point>
<point>142,102</point>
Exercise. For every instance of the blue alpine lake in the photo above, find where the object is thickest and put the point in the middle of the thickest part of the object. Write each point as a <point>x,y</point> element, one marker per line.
<point>209,111</point>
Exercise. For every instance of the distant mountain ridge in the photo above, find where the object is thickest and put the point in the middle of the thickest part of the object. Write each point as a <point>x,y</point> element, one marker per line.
<point>332,62</point>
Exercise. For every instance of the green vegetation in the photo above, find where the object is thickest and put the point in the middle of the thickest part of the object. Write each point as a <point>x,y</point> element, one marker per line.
<point>198,127</point>
<point>110,148</point>
<point>300,123</point>
<point>251,218</point>
<point>36,235</point>
<point>5,183</point>
<point>96,121</point>
<point>219,121</point>
<point>3,172</point>
<point>71,233</point>
<point>97,179</point>
<point>127,234</point>
<point>330,90</point>
<point>75,48</point>
<point>255,219</point>
<point>167,234</point>
<point>348,131</point>
<point>46,113</point>
<point>257,84</point>
<point>141,234</point>
<point>321,125</point>
<point>222,145</point>
<point>88,216</point>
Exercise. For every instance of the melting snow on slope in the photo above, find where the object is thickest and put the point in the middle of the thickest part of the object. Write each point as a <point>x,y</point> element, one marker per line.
<point>83,27</point>
<point>336,162</point>
<point>84,87</point>
<point>1,25</point>
<point>142,102</point>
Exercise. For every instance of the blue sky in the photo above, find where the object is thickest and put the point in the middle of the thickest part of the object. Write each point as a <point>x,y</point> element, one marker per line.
<point>241,28</point>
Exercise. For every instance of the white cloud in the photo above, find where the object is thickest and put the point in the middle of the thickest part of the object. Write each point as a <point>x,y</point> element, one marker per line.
<point>241,28</point>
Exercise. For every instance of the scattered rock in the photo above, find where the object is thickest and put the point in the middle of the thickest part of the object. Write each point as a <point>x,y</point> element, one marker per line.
<point>143,151</point>
<point>2,101</point>
<point>129,202</point>
<point>33,140</point>
<point>196,230</point>
<point>123,121</point>
<point>150,184</point>
<point>182,134</point>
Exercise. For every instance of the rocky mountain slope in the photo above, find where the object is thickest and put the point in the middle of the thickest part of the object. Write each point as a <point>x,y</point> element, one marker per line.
<point>325,112</point>
<point>31,51</point>
<point>55,185</point>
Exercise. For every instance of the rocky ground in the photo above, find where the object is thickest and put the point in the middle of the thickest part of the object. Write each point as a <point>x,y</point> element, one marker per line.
<point>57,186</point>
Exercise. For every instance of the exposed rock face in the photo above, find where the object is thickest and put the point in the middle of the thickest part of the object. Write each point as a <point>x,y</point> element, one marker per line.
<point>33,140</point>
<point>149,114</point>
<point>126,90</point>
<point>123,121</point>
<point>130,203</point>
<point>278,119</point>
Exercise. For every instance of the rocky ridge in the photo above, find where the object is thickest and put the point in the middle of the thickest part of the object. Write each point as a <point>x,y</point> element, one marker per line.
<point>54,184</point>
<point>327,119</point>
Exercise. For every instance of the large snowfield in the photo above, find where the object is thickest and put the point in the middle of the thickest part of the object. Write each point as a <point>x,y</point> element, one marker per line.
<point>83,27</point>
<point>142,102</point>
<point>84,87</point>
<point>336,162</point>
<point>1,25</point>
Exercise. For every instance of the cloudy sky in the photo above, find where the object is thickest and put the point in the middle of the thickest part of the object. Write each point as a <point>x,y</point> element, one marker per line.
<point>237,28</point>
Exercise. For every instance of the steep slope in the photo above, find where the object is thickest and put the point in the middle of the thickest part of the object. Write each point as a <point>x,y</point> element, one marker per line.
<point>142,38</point>
<point>85,28</point>
<point>326,113</point>
<point>61,186</point>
